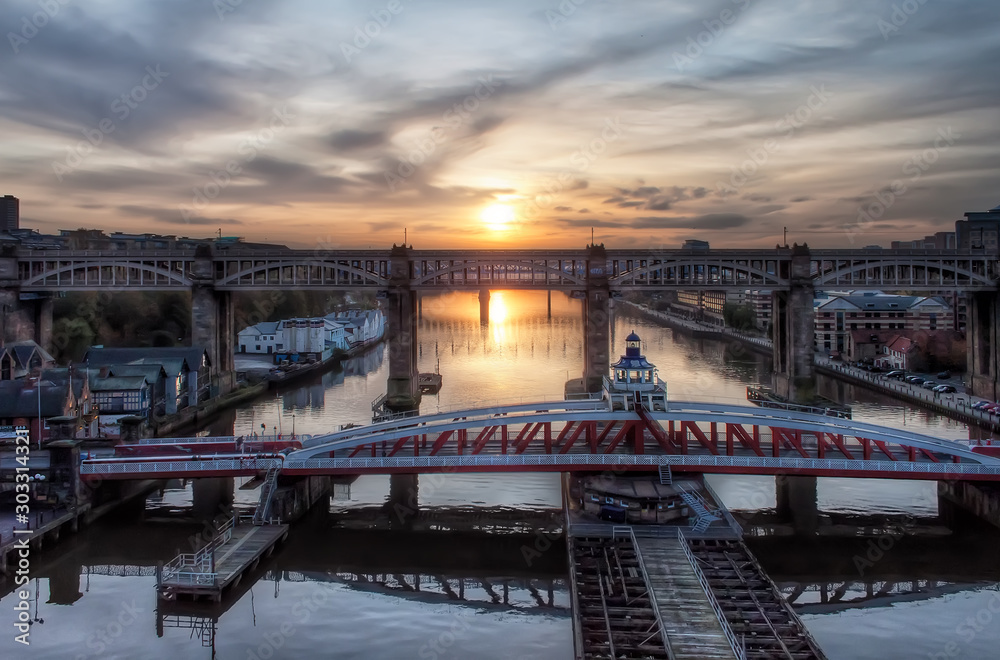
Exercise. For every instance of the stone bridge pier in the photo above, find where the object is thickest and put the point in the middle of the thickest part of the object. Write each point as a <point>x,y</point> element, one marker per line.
<point>983,343</point>
<point>596,320</point>
<point>403,390</point>
<point>796,502</point>
<point>793,330</point>
<point>212,322</point>
<point>23,320</point>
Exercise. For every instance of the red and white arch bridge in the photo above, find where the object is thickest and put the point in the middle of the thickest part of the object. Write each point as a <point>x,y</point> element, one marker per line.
<point>579,436</point>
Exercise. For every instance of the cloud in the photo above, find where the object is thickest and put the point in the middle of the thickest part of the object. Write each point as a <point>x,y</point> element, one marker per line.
<point>590,222</point>
<point>174,217</point>
<point>351,140</point>
<point>710,221</point>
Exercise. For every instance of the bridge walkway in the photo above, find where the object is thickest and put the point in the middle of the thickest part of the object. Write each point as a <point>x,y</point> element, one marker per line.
<point>688,618</point>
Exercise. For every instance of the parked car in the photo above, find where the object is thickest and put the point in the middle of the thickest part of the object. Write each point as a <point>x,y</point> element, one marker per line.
<point>992,408</point>
<point>929,384</point>
<point>945,389</point>
<point>914,380</point>
<point>944,375</point>
<point>979,405</point>
<point>896,373</point>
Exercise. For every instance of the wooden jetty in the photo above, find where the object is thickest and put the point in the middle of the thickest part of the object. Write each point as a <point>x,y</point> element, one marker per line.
<point>221,564</point>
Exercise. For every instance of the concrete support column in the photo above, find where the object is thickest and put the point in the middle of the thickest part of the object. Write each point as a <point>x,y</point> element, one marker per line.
<point>982,339</point>
<point>484,306</point>
<point>796,501</point>
<point>403,502</point>
<point>212,323</point>
<point>549,301</point>
<point>403,388</point>
<point>959,500</point>
<point>793,331</point>
<point>596,321</point>
<point>211,496</point>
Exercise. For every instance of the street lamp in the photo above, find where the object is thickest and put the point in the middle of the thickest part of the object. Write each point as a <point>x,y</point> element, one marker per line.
<point>293,426</point>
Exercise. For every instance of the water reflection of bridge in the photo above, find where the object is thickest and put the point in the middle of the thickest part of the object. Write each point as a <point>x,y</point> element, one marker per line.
<point>838,596</point>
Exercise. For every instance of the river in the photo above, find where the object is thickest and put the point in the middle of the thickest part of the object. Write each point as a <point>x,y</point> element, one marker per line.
<point>334,592</point>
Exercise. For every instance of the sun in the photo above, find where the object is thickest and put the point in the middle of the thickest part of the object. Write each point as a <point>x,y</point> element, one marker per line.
<point>497,216</point>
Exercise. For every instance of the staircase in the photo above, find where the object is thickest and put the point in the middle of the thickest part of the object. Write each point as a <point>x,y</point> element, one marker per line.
<point>666,476</point>
<point>266,494</point>
<point>704,514</point>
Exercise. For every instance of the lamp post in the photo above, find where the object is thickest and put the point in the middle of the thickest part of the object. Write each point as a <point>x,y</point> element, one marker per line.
<point>293,426</point>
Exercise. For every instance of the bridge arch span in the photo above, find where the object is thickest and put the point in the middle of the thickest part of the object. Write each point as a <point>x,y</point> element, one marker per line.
<point>527,273</point>
<point>317,272</point>
<point>92,275</point>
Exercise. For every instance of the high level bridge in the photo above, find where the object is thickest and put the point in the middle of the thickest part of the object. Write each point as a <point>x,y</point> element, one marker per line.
<point>29,279</point>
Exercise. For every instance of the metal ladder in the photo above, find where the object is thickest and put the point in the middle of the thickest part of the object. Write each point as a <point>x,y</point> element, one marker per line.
<point>666,475</point>
<point>266,493</point>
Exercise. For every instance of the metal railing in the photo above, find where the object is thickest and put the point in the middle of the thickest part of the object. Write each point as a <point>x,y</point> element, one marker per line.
<point>739,648</point>
<point>132,466</point>
<point>933,470</point>
<point>759,398</point>
<point>187,441</point>
<point>627,531</point>
<point>267,490</point>
<point>198,568</point>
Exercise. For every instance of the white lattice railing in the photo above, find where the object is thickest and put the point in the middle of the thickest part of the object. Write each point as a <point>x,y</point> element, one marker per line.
<point>198,568</point>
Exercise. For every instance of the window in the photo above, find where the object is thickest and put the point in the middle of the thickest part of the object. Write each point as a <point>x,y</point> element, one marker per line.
<point>609,500</point>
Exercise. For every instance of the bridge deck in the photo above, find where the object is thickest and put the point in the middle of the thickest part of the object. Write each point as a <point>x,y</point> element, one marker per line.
<point>690,622</point>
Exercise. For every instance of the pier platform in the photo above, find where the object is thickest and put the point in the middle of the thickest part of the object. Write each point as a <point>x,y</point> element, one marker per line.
<point>221,564</point>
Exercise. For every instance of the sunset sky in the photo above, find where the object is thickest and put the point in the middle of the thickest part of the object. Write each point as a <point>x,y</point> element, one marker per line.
<point>495,124</point>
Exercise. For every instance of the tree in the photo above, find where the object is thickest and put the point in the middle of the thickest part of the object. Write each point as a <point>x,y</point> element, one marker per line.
<point>740,317</point>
